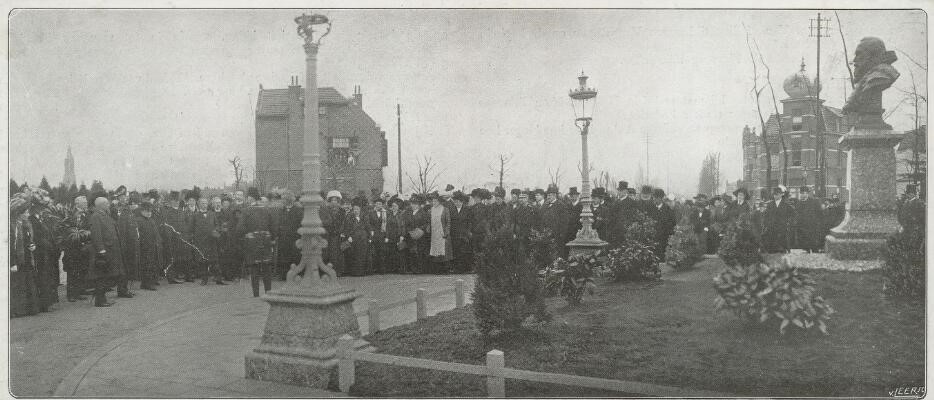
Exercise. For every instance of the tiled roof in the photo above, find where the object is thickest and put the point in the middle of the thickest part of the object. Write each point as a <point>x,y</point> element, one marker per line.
<point>276,101</point>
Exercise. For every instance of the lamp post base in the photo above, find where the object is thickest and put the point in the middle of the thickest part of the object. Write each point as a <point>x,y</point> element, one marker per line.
<point>299,345</point>
<point>585,246</point>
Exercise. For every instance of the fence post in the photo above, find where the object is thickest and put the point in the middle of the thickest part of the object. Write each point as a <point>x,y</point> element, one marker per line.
<point>459,293</point>
<point>373,313</point>
<point>345,364</point>
<point>421,308</point>
<point>495,382</point>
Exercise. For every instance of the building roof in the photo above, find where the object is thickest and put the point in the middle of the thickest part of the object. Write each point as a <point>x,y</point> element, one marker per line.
<point>276,101</point>
<point>915,135</point>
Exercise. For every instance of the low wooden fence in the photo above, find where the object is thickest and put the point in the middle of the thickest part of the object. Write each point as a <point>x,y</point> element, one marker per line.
<point>496,374</point>
<point>421,304</point>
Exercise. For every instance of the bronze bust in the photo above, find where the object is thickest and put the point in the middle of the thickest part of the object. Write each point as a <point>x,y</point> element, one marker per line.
<point>873,73</point>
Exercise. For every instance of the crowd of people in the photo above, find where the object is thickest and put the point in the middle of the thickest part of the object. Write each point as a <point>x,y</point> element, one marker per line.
<point>108,240</point>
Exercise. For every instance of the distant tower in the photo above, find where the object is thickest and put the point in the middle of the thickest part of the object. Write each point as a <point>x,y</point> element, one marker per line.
<point>69,178</point>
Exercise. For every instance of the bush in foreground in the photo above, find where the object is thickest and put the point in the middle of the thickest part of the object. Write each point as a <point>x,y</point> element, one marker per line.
<point>503,295</point>
<point>633,261</point>
<point>573,277</point>
<point>782,296</point>
<point>903,271</point>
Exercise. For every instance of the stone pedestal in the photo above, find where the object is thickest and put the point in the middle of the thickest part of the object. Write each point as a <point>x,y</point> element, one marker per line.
<point>871,213</point>
<point>583,246</point>
<point>299,344</point>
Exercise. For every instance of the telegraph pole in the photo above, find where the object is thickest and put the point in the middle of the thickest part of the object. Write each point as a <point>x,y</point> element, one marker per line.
<point>399,146</point>
<point>647,158</point>
<point>820,28</point>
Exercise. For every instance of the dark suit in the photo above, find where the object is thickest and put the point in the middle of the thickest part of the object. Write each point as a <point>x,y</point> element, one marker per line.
<point>378,222</point>
<point>205,232</point>
<point>290,220</point>
<point>107,255</point>
<point>256,228</point>
<point>665,223</point>
<point>150,251</point>
<point>776,224</point>
<point>460,239</point>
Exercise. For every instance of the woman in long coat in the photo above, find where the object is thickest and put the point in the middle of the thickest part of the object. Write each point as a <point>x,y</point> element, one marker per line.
<point>24,294</point>
<point>441,250</point>
<point>357,234</point>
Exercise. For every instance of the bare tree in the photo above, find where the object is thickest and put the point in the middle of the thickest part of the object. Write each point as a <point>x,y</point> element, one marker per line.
<point>502,167</point>
<point>428,175</point>
<point>778,115</point>
<point>846,55</point>
<point>337,163</point>
<point>757,92</point>
<point>554,176</point>
<point>237,166</point>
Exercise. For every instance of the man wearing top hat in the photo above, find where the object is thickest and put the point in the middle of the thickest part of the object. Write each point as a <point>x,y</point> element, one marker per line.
<point>129,235</point>
<point>524,220</point>
<point>602,215</point>
<point>646,204</point>
<point>665,222</point>
<point>554,218</point>
<point>574,207</point>
<point>501,214</point>
<point>624,212</point>
<point>809,217</point>
<point>172,246</point>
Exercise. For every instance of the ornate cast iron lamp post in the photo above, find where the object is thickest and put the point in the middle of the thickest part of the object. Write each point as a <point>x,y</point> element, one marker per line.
<point>310,313</point>
<point>587,239</point>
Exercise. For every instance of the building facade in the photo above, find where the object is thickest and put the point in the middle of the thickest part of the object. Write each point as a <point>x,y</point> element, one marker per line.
<point>797,126</point>
<point>353,147</point>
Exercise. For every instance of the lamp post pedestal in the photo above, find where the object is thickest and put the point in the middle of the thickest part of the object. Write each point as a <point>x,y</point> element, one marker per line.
<point>587,240</point>
<point>311,312</point>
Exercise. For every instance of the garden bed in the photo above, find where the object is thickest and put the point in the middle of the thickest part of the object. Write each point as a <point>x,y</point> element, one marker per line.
<point>668,333</point>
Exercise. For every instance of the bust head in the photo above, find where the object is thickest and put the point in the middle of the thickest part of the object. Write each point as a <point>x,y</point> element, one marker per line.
<point>869,53</point>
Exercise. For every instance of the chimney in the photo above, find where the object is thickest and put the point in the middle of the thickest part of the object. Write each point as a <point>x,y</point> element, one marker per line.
<point>295,90</point>
<point>357,96</point>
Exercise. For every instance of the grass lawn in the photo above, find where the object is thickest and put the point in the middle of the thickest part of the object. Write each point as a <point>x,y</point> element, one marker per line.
<point>668,333</point>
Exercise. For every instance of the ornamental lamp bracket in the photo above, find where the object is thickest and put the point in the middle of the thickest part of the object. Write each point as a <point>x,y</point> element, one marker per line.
<point>306,24</point>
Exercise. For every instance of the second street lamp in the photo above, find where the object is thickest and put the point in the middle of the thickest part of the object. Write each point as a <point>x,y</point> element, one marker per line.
<point>587,240</point>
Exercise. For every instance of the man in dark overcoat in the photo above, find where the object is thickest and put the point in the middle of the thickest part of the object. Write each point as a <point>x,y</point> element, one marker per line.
<point>810,221</point>
<point>602,215</point>
<point>106,255</point>
<point>150,247</point>
<point>665,222</point>
<point>776,222</point>
<point>624,213</point>
<point>256,229</point>
<point>460,233</point>
<point>554,217</point>
<point>205,232</point>
<point>290,220</point>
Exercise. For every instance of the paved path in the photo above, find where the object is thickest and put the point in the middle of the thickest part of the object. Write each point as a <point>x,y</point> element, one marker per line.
<point>200,353</point>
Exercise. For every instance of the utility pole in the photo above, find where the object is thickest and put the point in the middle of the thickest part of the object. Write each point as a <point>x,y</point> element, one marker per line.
<point>399,146</point>
<point>820,28</point>
<point>647,158</point>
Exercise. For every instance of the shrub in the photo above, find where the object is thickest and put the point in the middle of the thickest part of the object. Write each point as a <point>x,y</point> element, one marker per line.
<point>641,229</point>
<point>903,271</point>
<point>633,261</point>
<point>502,289</point>
<point>782,296</point>
<point>739,245</point>
<point>683,250</point>
<point>542,249</point>
<point>571,278</point>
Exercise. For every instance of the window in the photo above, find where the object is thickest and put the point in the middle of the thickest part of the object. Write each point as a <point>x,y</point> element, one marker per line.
<point>839,159</point>
<point>796,123</point>
<point>839,182</point>
<point>322,110</point>
<point>340,143</point>
<point>796,154</point>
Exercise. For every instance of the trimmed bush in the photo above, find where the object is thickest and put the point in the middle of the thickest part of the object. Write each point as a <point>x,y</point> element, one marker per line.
<point>904,269</point>
<point>502,289</point>
<point>775,296</point>
<point>641,229</point>
<point>683,250</point>
<point>633,261</point>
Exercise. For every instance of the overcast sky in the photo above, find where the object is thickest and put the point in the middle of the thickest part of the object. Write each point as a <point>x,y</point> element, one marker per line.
<point>162,98</point>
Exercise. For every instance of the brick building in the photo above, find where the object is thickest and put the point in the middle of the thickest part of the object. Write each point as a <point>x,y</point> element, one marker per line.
<point>353,147</point>
<point>799,125</point>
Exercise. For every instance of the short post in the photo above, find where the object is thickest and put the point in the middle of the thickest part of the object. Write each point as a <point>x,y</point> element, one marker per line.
<point>421,307</point>
<point>345,364</point>
<point>373,313</point>
<point>495,382</point>
<point>459,293</point>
